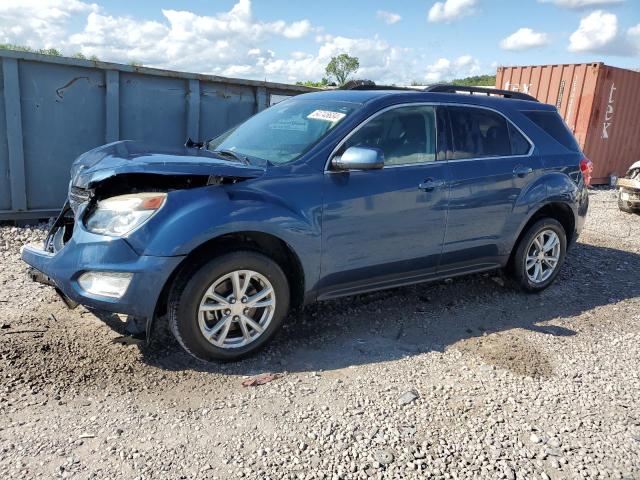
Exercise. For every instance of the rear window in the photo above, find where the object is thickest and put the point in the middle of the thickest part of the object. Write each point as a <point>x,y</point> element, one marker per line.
<point>553,124</point>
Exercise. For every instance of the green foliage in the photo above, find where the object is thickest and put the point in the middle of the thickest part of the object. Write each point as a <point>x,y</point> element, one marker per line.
<point>341,67</point>
<point>135,63</point>
<point>50,51</point>
<point>23,48</point>
<point>44,51</point>
<point>475,81</point>
<point>324,83</point>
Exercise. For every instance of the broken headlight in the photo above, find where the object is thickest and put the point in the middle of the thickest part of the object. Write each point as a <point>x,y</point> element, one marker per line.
<point>117,216</point>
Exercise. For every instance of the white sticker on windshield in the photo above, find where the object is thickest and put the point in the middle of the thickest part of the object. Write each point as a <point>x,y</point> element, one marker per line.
<point>326,115</point>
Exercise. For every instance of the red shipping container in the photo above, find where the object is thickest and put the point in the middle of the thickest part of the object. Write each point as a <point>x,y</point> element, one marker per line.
<point>599,103</point>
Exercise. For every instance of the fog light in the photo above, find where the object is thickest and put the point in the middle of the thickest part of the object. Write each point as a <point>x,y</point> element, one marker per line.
<point>106,284</point>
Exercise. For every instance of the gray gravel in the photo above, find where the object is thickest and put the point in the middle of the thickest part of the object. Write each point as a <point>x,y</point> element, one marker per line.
<point>462,379</point>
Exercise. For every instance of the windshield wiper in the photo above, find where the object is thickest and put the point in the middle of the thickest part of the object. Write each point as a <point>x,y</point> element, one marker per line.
<point>233,155</point>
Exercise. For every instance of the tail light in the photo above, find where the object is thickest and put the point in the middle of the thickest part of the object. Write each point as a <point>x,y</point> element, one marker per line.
<point>586,167</point>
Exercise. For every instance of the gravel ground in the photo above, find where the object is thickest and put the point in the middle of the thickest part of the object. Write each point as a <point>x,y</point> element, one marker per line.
<point>461,379</point>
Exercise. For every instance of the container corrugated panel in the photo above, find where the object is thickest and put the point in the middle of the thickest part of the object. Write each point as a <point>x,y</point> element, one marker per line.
<point>5,186</point>
<point>614,131</point>
<point>583,95</point>
<point>52,109</point>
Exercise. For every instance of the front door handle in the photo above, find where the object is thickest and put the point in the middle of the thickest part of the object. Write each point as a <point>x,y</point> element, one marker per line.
<point>429,185</point>
<point>522,171</point>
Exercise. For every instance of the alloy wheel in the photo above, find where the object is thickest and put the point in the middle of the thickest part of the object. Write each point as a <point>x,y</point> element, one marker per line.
<point>543,256</point>
<point>236,309</point>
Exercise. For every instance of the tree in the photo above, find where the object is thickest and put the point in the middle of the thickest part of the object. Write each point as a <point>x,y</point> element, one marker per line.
<point>478,80</point>
<point>341,67</point>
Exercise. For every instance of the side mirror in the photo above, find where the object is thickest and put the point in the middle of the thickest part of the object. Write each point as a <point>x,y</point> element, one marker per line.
<point>359,158</point>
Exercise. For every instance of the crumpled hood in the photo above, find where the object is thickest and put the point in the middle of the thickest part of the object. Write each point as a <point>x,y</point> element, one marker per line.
<point>634,166</point>
<point>127,156</point>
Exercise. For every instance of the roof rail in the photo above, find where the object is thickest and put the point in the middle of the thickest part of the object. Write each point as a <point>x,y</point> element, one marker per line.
<point>447,88</point>
<point>369,85</point>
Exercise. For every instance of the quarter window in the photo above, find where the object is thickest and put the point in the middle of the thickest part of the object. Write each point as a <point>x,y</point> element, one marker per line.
<point>406,135</point>
<point>479,133</point>
<point>519,144</point>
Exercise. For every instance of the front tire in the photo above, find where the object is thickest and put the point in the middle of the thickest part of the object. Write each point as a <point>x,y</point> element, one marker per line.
<point>228,307</point>
<point>539,255</point>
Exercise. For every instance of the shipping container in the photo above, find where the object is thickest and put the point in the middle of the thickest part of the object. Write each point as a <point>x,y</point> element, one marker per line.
<point>599,103</point>
<point>52,109</point>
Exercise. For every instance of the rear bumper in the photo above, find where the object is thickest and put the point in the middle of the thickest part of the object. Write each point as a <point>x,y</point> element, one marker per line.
<point>581,207</point>
<point>89,252</point>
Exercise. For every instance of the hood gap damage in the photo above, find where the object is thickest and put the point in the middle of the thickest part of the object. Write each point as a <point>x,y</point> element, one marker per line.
<point>62,228</point>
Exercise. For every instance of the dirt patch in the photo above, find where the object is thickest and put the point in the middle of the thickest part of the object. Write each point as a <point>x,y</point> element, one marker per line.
<point>508,351</point>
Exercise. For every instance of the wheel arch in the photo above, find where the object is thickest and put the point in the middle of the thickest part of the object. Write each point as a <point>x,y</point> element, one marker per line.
<point>559,211</point>
<point>266,243</point>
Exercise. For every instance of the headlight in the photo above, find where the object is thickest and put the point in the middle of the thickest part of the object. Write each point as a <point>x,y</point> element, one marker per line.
<point>117,216</point>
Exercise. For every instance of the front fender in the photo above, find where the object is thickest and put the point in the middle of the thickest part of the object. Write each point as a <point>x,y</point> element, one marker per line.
<point>195,216</point>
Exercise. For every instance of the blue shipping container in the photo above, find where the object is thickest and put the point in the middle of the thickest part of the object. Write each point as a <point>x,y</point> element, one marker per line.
<point>52,109</point>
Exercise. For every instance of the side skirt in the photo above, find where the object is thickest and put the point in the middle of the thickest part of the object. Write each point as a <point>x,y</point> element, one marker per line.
<point>401,282</point>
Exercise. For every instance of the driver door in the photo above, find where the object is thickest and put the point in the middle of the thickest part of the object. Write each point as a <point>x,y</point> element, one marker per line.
<point>386,227</point>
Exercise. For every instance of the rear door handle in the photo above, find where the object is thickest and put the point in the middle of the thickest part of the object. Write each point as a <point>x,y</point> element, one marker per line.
<point>429,185</point>
<point>522,171</point>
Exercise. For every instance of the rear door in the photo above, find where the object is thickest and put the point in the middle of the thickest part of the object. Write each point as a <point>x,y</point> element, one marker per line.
<point>491,163</point>
<point>386,226</point>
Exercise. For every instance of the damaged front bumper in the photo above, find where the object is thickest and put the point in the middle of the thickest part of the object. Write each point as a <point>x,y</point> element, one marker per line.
<point>629,192</point>
<point>87,252</point>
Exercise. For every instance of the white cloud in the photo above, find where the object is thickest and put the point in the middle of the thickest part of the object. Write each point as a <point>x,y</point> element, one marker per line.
<point>577,4</point>
<point>444,69</point>
<point>450,10</point>
<point>230,43</point>
<point>524,39</point>
<point>226,43</point>
<point>297,29</point>
<point>388,17</point>
<point>598,32</point>
<point>39,23</point>
<point>633,34</point>
<point>379,60</point>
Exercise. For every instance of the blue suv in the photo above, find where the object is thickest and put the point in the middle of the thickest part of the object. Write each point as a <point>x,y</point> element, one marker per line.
<point>323,195</point>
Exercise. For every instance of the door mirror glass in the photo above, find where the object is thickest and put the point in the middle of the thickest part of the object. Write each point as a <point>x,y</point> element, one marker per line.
<point>359,158</point>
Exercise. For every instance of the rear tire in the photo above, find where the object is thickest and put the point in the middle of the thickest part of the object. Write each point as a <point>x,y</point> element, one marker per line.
<point>534,268</point>
<point>210,323</point>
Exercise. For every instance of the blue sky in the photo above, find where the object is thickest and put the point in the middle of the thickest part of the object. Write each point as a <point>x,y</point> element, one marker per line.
<point>278,40</point>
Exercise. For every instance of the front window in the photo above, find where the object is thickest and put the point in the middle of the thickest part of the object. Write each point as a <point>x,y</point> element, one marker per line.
<point>284,132</point>
<point>405,135</point>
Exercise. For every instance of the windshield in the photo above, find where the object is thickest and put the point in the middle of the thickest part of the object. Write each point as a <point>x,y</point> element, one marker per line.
<point>284,132</point>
